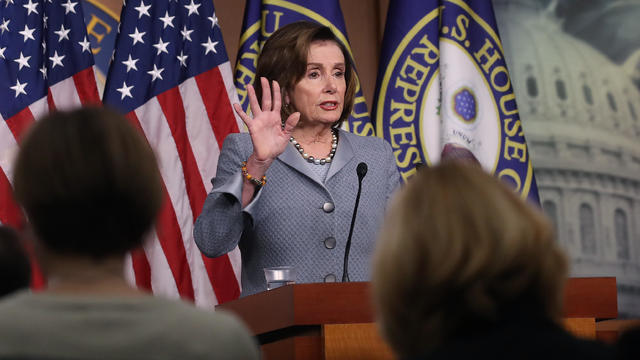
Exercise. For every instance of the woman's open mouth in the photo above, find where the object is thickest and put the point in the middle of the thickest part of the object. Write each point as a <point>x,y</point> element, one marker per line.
<point>329,105</point>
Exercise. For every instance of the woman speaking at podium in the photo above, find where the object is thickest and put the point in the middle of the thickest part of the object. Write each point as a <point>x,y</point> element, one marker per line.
<point>285,191</point>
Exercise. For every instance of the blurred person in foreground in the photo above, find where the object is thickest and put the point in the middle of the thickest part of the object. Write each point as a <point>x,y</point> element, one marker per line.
<point>465,269</point>
<point>285,192</point>
<point>15,270</point>
<point>628,344</point>
<point>91,189</point>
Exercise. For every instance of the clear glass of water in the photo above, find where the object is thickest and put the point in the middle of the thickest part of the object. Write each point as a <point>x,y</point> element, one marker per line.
<point>278,276</point>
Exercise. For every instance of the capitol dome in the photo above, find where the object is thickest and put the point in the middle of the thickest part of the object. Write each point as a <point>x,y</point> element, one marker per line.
<point>580,113</point>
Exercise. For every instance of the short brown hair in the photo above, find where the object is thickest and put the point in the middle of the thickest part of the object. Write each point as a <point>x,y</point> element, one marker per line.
<point>458,251</point>
<point>284,58</point>
<point>88,182</point>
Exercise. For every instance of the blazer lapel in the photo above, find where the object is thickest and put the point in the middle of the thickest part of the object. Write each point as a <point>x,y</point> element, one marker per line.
<point>292,157</point>
<point>344,153</point>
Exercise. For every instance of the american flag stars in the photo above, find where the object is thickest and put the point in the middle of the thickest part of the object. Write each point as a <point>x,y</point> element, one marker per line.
<point>155,73</point>
<point>125,90</point>
<point>86,45</point>
<point>182,58</point>
<point>31,7</point>
<point>193,8</point>
<point>143,10</point>
<point>167,20</point>
<point>210,46</point>
<point>164,50</point>
<point>56,59</point>
<point>130,63</point>
<point>5,25</point>
<point>186,33</point>
<point>28,50</point>
<point>161,46</point>
<point>214,20</point>
<point>62,33</point>
<point>19,88</point>
<point>137,36</point>
<point>22,61</point>
<point>69,7</point>
<point>27,33</point>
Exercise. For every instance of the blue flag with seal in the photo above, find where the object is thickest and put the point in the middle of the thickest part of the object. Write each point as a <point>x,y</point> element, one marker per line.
<point>263,17</point>
<point>102,19</point>
<point>443,91</point>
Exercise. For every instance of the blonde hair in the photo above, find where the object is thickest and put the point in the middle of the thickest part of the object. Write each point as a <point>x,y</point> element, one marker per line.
<point>458,249</point>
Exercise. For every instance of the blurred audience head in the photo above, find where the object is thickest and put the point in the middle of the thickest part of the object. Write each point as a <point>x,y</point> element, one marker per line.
<point>15,270</point>
<point>88,182</point>
<point>458,251</point>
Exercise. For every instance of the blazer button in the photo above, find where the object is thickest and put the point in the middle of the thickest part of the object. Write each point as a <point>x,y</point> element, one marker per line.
<point>330,278</point>
<point>328,207</point>
<point>330,242</point>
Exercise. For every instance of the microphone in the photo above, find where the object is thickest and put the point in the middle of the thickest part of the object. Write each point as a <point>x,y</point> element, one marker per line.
<point>361,170</point>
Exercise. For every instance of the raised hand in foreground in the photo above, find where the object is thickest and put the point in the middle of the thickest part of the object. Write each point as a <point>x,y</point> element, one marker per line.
<point>268,135</point>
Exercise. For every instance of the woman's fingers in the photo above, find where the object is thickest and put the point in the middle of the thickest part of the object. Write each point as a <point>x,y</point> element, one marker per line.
<point>253,101</point>
<point>246,118</point>
<point>277,97</point>
<point>266,94</point>
<point>268,112</point>
<point>291,123</point>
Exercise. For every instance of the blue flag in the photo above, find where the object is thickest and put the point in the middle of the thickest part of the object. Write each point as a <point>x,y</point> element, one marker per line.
<point>443,91</point>
<point>102,26</point>
<point>263,17</point>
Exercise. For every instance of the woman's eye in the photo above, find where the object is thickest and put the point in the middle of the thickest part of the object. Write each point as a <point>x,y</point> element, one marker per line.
<point>339,74</point>
<point>314,74</point>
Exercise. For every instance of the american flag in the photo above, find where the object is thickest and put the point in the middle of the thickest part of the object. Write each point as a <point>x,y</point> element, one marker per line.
<point>45,64</point>
<point>170,75</point>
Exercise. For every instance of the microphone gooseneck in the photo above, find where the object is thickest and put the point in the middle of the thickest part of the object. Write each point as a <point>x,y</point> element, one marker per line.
<point>361,170</point>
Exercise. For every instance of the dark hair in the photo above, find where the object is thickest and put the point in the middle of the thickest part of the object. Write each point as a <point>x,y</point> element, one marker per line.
<point>284,58</point>
<point>15,270</point>
<point>88,182</point>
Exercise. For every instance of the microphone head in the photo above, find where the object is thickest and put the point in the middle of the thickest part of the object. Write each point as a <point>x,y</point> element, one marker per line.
<point>361,170</point>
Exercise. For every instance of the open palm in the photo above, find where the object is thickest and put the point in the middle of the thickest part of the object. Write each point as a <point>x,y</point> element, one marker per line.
<point>268,136</point>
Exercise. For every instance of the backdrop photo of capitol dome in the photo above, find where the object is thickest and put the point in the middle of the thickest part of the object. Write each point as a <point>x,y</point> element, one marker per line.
<point>575,67</point>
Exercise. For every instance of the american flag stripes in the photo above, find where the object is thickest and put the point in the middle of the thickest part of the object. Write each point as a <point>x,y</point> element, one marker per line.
<point>45,64</point>
<point>170,74</point>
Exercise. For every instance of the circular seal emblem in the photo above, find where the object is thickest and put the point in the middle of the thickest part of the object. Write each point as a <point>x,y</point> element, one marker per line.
<point>446,93</point>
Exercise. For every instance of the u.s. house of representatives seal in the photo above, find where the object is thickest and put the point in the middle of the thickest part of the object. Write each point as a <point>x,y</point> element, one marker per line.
<point>446,92</point>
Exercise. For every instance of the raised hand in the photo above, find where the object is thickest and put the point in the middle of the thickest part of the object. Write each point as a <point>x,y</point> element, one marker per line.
<point>268,136</point>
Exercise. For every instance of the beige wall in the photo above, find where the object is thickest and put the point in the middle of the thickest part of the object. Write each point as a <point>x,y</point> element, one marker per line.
<point>365,26</point>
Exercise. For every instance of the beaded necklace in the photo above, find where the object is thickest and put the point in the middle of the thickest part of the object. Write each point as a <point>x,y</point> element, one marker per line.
<point>313,160</point>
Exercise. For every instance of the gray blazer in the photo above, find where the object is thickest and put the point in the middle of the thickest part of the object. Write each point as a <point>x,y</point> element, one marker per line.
<point>296,219</point>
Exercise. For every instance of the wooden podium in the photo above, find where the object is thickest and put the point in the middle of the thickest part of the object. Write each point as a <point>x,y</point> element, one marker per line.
<point>336,321</point>
<point>313,321</point>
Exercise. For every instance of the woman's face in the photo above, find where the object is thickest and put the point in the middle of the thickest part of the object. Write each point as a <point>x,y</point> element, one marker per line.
<point>319,95</point>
